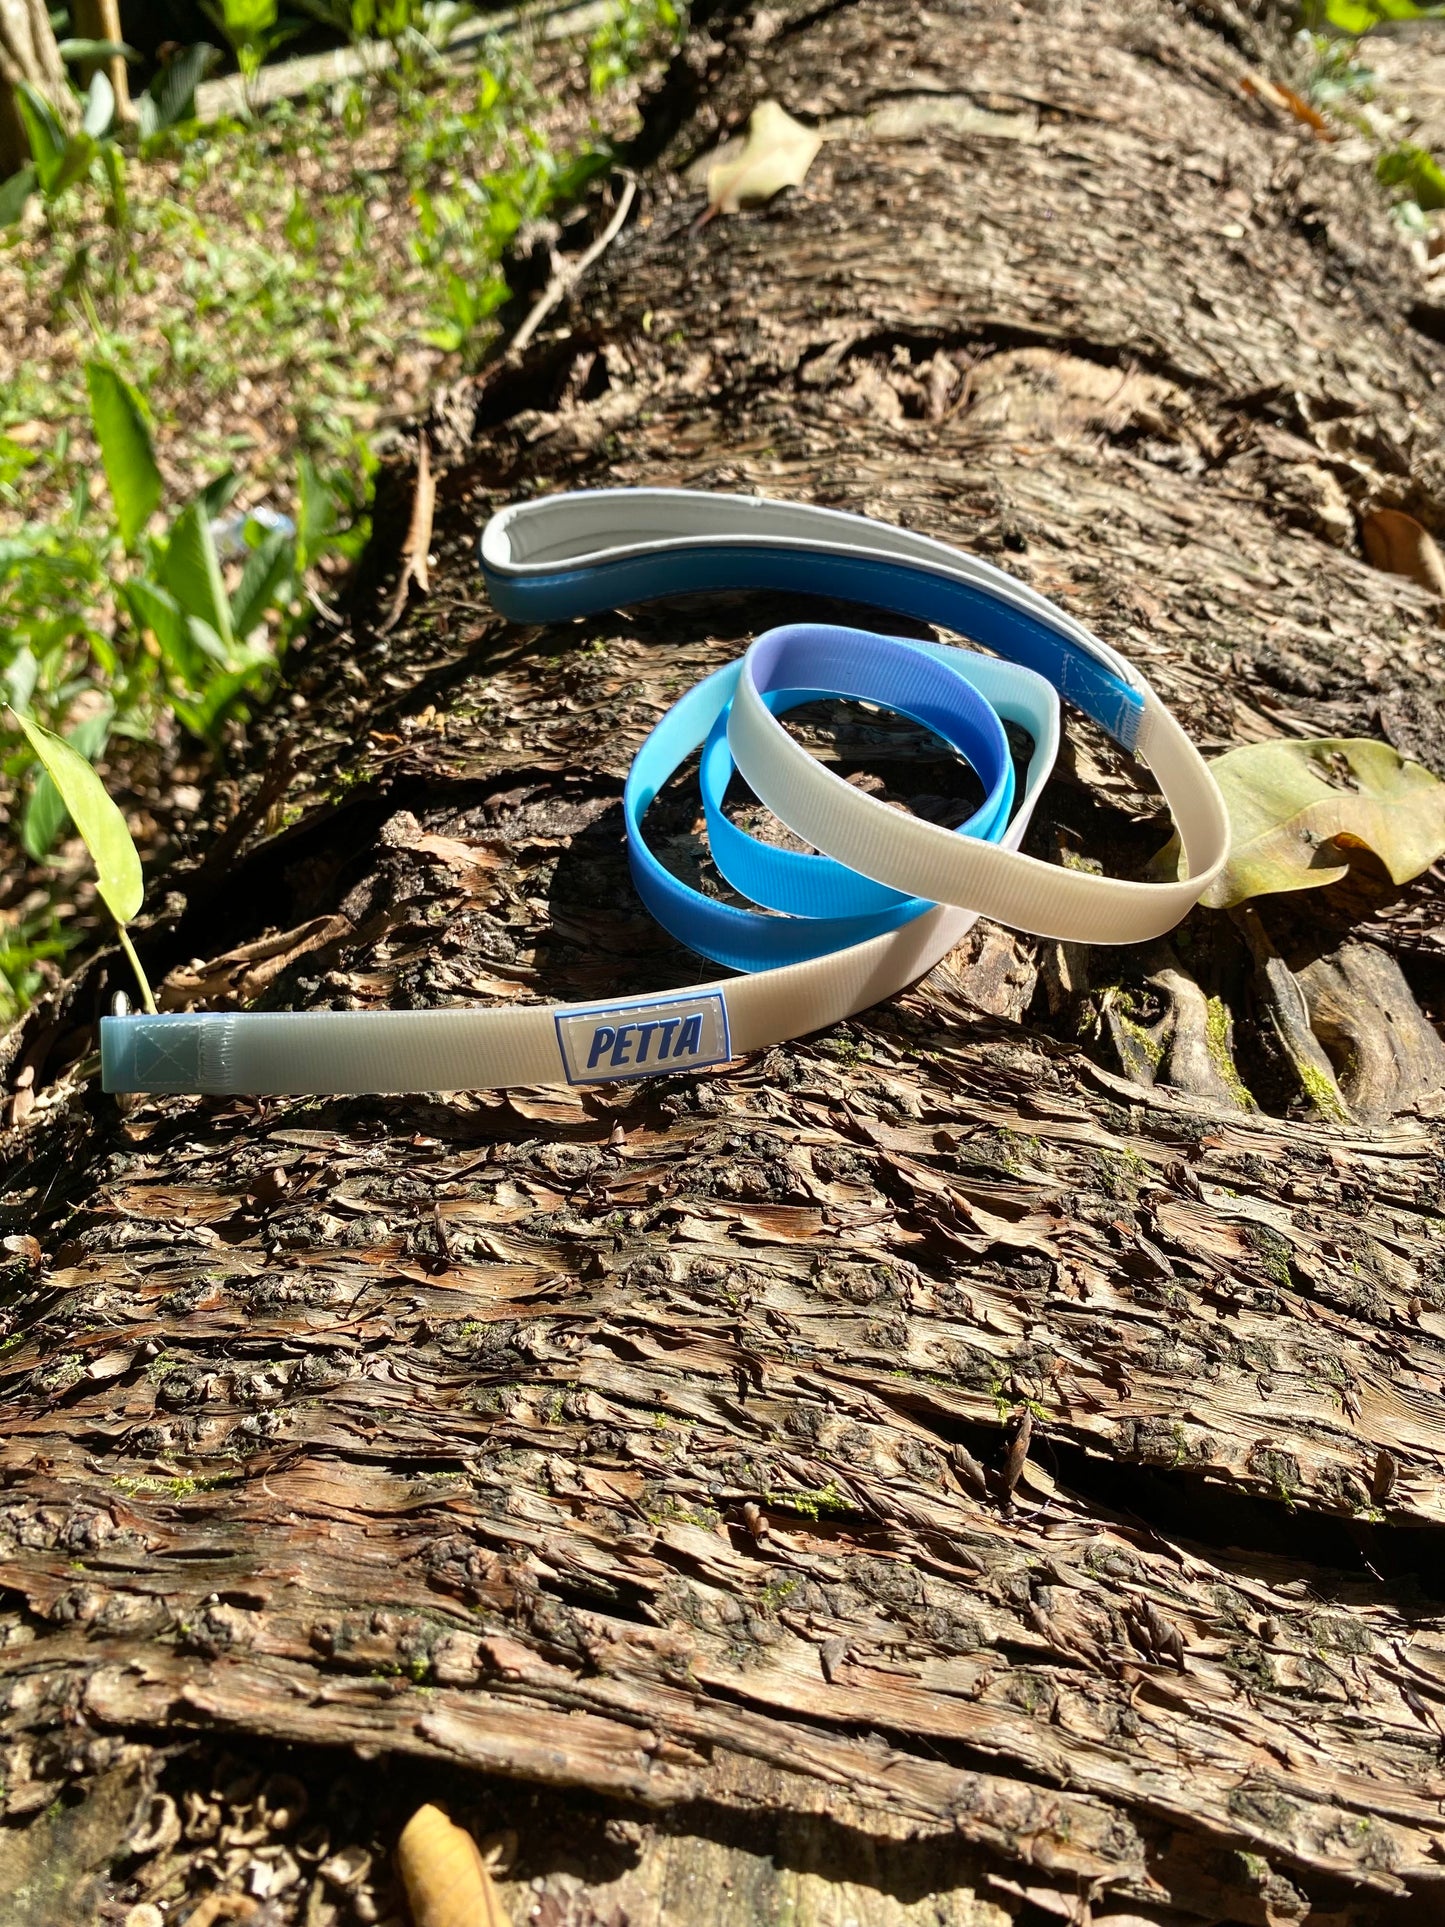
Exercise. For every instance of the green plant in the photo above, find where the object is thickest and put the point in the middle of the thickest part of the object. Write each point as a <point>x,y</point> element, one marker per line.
<point>424,25</point>
<point>624,40</point>
<point>439,20</point>
<point>184,621</point>
<point>253,30</point>
<point>115,626</point>
<point>463,307</point>
<point>461,235</point>
<point>175,595</point>
<point>1358,17</point>
<point>170,100</point>
<point>27,943</point>
<point>1333,76</point>
<point>176,635</point>
<point>363,19</point>
<point>46,812</point>
<point>93,50</point>
<point>1415,170</point>
<point>102,829</point>
<point>58,159</point>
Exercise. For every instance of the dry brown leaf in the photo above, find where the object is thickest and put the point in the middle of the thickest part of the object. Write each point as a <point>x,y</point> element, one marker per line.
<point>1286,101</point>
<point>217,1907</point>
<point>423,509</point>
<point>776,154</point>
<point>1018,1452</point>
<point>241,975</point>
<point>472,862</point>
<point>1396,543</point>
<point>446,1879</point>
<point>416,556</point>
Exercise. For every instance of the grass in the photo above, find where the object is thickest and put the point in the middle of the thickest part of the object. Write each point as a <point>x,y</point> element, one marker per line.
<point>285,286</point>
<point>282,294</point>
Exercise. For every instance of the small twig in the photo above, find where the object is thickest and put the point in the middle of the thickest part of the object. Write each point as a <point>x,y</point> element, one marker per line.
<point>568,277</point>
<point>415,563</point>
<point>322,608</point>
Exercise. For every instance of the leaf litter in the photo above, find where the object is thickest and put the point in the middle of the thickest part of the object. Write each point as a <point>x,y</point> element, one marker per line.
<point>777,153</point>
<point>1298,810</point>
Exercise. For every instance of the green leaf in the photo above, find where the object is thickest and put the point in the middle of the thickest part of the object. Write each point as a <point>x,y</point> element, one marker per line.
<point>45,813</point>
<point>218,493</point>
<point>315,512</point>
<point>171,96</point>
<point>212,649</point>
<point>20,676</point>
<point>1417,171</point>
<point>193,574</point>
<point>572,176</point>
<point>114,161</point>
<point>99,105</point>
<point>268,566</point>
<point>154,608</point>
<point>15,192</point>
<point>45,134</point>
<point>125,449</point>
<point>97,50</point>
<point>101,826</point>
<point>80,151</point>
<point>248,16</point>
<point>1298,809</point>
<point>203,718</point>
<point>1351,16</point>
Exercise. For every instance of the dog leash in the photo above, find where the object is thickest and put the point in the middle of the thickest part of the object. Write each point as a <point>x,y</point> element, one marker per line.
<point>574,554</point>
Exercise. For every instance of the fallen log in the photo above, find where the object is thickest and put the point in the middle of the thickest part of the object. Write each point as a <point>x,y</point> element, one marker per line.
<point>981,1463</point>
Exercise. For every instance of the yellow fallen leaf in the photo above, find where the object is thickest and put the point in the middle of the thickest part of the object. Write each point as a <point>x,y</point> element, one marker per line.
<point>1296,809</point>
<point>1396,543</point>
<point>445,1876</point>
<point>776,154</point>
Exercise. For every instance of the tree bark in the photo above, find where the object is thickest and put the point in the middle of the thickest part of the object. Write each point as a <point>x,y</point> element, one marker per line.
<point>28,52</point>
<point>100,20</point>
<point>998,1444</point>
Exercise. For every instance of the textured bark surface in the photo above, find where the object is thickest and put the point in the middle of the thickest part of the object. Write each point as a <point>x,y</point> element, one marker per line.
<point>1011,1425</point>
<point>28,52</point>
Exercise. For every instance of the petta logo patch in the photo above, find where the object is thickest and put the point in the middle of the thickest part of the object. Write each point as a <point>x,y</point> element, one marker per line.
<point>611,1043</point>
